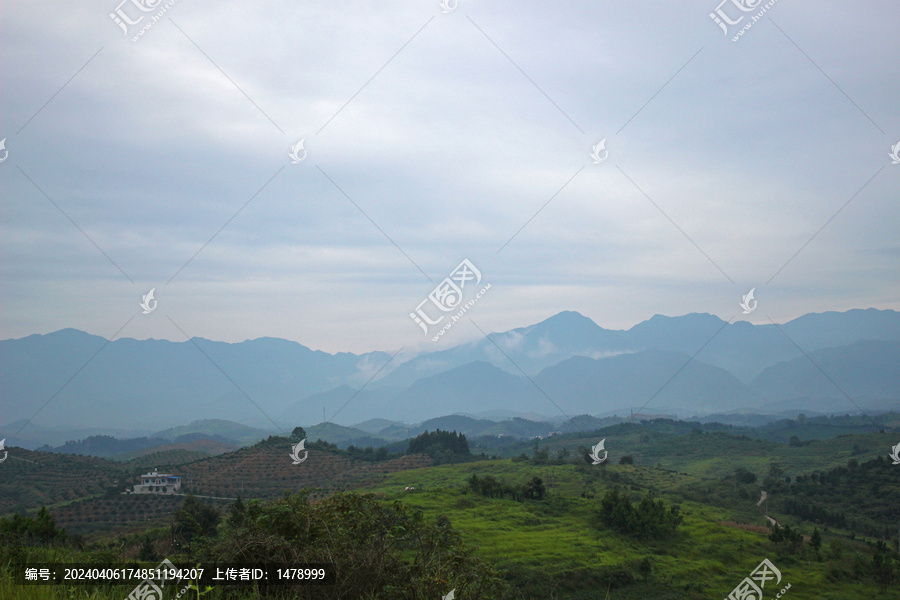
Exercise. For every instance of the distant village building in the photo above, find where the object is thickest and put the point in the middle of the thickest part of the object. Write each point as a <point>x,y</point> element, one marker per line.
<point>158,483</point>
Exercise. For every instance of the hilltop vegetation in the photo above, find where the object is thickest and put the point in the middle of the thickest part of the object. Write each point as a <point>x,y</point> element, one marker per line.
<point>671,514</point>
<point>859,497</point>
<point>634,530</point>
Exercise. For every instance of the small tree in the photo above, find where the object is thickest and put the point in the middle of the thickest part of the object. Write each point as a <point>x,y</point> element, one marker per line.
<point>541,455</point>
<point>626,460</point>
<point>237,513</point>
<point>775,470</point>
<point>815,540</point>
<point>858,567</point>
<point>298,434</point>
<point>882,566</point>
<point>742,475</point>
<point>645,568</point>
<point>534,489</point>
<point>195,519</point>
<point>147,551</point>
<point>584,452</point>
<point>835,549</point>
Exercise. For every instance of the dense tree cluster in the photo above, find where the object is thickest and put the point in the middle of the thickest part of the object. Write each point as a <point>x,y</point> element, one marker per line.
<point>647,520</point>
<point>443,446</point>
<point>377,551</point>
<point>786,539</point>
<point>809,511</point>
<point>368,453</point>
<point>105,445</point>
<point>854,497</point>
<point>40,529</point>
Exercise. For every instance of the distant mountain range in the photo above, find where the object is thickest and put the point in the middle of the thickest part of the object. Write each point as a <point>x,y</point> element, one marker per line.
<point>564,366</point>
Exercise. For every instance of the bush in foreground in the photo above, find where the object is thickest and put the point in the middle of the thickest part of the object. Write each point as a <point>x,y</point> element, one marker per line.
<point>377,551</point>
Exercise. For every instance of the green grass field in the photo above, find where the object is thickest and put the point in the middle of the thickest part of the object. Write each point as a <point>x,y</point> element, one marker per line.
<point>554,542</point>
<point>556,548</point>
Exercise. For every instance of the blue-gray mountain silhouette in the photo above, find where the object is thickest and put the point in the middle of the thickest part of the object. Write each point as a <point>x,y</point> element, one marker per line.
<point>685,365</point>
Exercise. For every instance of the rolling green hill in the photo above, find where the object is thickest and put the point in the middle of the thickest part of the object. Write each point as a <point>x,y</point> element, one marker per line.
<point>553,549</point>
<point>537,517</point>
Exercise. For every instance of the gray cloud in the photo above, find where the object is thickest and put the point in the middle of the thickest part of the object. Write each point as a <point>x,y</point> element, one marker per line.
<point>450,150</point>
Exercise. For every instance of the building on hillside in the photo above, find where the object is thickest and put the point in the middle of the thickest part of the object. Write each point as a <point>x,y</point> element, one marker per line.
<point>158,483</point>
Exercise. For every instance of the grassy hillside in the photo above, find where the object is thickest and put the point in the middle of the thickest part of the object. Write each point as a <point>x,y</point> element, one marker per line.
<point>553,549</point>
<point>557,544</point>
<point>556,547</point>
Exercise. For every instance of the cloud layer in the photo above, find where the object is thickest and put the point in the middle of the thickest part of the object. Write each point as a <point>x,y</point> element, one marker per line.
<point>432,137</point>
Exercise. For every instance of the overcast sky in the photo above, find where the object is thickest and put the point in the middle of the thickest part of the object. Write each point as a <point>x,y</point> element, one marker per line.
<point>433,137</point>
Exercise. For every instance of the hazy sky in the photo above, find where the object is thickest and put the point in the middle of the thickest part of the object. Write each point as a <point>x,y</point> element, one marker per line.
<point>433,137</point>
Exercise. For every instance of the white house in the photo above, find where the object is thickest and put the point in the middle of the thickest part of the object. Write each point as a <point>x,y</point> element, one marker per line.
<point>158,483</point>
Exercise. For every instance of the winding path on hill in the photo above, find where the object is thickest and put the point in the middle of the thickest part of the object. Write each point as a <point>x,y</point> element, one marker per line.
<point>762,498</point>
